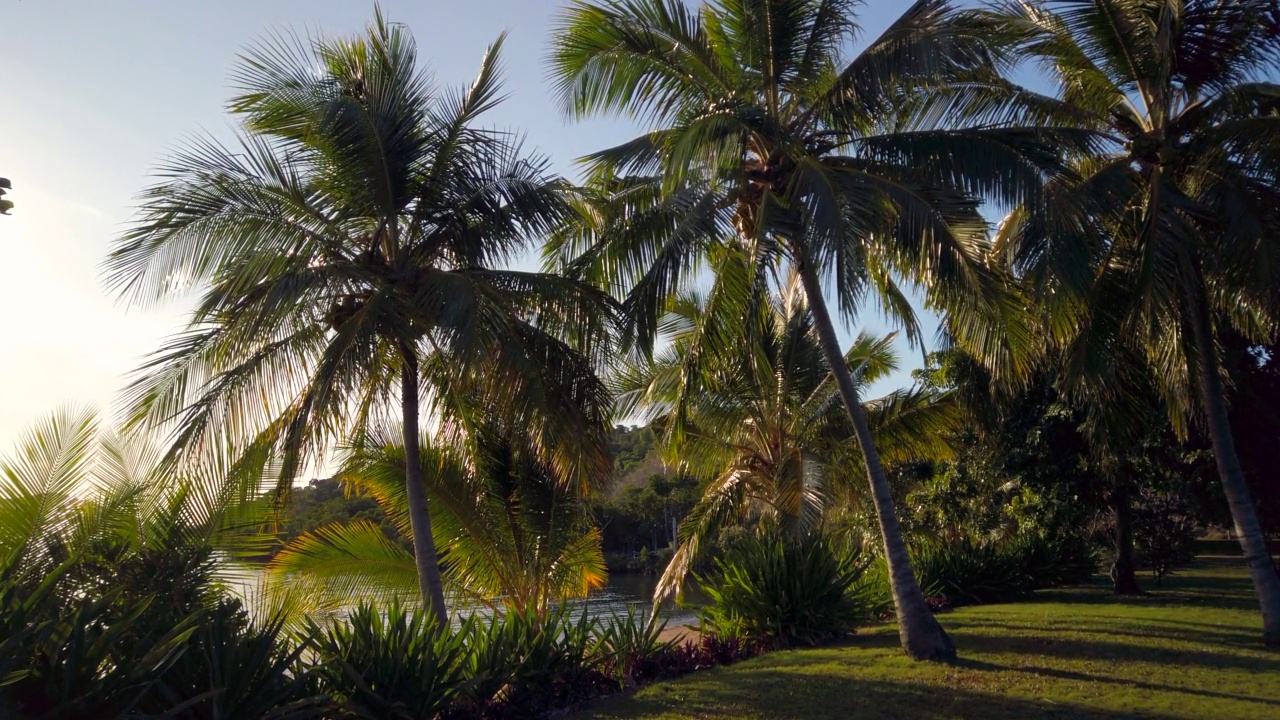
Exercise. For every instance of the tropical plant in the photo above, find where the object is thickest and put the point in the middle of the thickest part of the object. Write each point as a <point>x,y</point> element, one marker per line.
<point>630,646</point>
<point>771,148</point>
<point>1168,238</point>
<point>964,572</point>
<point>348,257</point>
<point>967,571</point>
<point>1165,524</point>
<point>781,591</point>
<point>105,513</point>
<point>523,664</point>
<point>511,534</point>
<point>391,662</point>
<point>82,661</point>
<point>232,669</point>
<point>765,431</point>
<point>116,557</point>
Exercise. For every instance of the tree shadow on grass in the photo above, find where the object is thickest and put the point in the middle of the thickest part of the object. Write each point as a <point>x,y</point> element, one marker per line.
<point>780,695</point>
<point>1210,582</point>
<point>1114,651</point>
<point>1198,634</point>
<point>1089,678</point>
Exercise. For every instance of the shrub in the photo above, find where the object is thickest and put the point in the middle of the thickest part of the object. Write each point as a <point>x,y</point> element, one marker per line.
<point>872,591</point>
<point>82,642</point>
<point>391,663</point>
<point>78,663</point>
<point>784,592</point>
<point>231,669</point>
<point>630,648</point>
<point>520,664</point>
<point>1164,530</point>
<point>966,572</point>
<point>1068,559</point>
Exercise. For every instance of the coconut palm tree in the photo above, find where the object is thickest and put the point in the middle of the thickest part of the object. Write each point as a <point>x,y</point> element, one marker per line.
<point>764,427</point>
<point>768,141</point>
<point>348,257</point>
<point>512,536</point>
<point>1172,235</point>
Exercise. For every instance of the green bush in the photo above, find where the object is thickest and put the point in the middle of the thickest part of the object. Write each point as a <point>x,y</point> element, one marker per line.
<point>1057,561</point>
<point>77,662</point>
<point>1164,530</point>
<point>392,663</point>
<point>628,646</point>
<point>232,669</point>
<point>784,592</point>
<point>524,662</point>
<point>966,572</point>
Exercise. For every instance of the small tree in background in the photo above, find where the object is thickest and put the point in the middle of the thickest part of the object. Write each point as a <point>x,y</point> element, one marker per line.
<point>1165,530</point>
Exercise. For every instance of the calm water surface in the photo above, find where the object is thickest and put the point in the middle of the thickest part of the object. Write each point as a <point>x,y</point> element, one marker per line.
<point>632,589</point>
<point>623,591</point>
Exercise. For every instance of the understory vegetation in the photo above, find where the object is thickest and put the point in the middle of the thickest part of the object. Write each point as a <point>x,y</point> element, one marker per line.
<point>1106,389</point>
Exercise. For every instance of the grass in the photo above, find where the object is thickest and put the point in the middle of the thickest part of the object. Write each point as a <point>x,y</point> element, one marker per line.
<point>1191,650</point>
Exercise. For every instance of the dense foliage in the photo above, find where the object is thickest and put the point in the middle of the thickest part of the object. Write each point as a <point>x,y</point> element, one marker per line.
<point>1162,241</point>
<point>351,259</point>
<point>965,572</point>
<point>645,518</point>
<point>91,656</point>
<point>630,446</point>
<point>511,533</point>
<point>780,591</point>
<point>325,501</point>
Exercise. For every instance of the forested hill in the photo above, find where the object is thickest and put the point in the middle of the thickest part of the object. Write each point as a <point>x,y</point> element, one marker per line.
<point>634,459</point>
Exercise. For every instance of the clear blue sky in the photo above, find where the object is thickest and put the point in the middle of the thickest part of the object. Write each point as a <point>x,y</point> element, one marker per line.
<point>96,93</point>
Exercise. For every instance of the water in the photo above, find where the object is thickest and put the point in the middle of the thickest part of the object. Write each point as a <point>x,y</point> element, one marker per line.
<point>625,590</point>
<point>622,592</point>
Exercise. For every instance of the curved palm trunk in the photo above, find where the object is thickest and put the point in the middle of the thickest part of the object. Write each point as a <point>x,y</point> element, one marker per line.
<point>922,636</point>
<point>1124,579</point>
<point>1266,581</point>
<point>424,545</point>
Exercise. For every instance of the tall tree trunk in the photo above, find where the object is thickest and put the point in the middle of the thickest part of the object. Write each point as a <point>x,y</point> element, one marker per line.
<point>1124,579</point>
<point>921,635</point>
<point>1213,400</point>
<point>424,545</point>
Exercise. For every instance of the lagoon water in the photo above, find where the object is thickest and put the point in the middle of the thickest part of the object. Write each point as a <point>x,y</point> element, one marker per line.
<point>630,589</point>
<point>623,592</point>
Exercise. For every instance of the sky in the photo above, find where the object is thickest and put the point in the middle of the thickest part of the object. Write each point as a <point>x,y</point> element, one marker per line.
<point>96,94</point>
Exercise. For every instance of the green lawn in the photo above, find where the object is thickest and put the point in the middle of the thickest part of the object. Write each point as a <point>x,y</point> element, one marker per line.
<point>1191,650</point>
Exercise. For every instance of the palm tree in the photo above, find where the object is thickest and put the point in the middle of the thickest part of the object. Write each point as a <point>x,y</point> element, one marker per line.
<point>511,535</point>
<point>354,242</point>
<point>768,142</point>
<point>764,427</point>
<point>1172,235</point>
